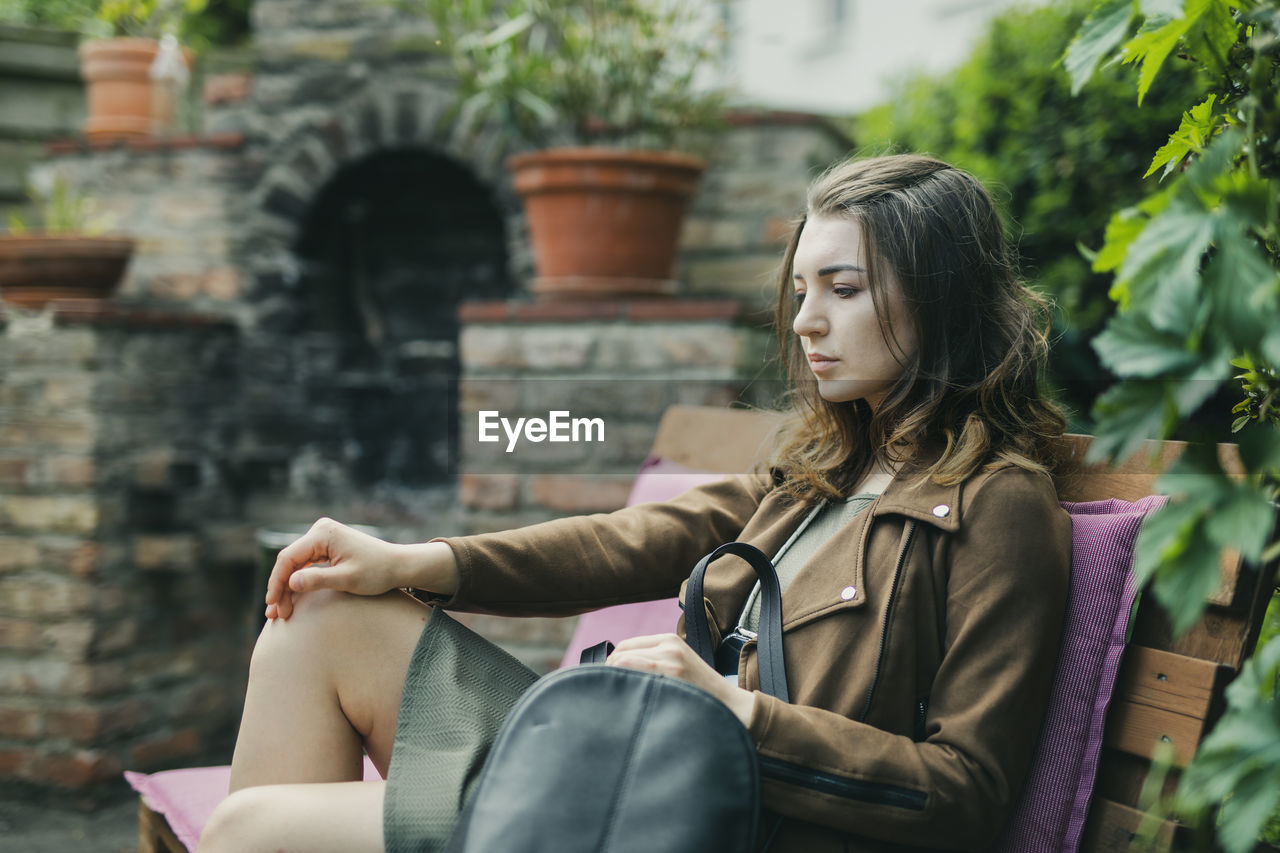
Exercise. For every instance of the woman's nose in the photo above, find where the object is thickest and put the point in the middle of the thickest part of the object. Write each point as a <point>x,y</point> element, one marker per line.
<point>809,319</point>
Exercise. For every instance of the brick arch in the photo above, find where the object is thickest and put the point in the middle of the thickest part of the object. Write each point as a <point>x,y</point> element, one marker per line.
<point>406,117</point>
<point>308,157</point>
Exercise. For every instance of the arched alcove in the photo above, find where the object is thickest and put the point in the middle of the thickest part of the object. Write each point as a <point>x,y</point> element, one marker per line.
<point>388,247</point>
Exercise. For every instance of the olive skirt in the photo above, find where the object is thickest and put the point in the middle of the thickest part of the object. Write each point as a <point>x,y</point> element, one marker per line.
<point>458,690</point>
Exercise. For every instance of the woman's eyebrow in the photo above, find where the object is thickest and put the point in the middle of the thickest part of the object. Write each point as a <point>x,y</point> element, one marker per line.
<point>834,268</point>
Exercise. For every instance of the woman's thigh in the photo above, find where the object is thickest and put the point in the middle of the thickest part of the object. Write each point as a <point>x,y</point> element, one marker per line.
<point>343,817</point>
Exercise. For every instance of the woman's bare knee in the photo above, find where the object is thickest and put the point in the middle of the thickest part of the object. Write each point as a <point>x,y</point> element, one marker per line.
<point>340,817</point>
<point>236,822</point>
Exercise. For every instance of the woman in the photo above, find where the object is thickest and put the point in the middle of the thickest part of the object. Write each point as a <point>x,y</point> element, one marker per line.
<point>907,506</point>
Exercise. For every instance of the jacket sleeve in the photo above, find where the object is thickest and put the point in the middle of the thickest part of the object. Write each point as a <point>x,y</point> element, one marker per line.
<point>570,565</point>
<point>955,789</point>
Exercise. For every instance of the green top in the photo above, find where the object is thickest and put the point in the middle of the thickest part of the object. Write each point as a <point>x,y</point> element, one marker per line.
<point>819,526</point>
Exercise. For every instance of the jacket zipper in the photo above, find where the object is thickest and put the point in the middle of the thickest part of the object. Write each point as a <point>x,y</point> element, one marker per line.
<point>888,615</point>
<point>840,786</point>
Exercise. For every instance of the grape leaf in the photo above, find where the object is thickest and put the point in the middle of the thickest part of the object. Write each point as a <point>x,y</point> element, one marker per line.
<point>1100,34</point>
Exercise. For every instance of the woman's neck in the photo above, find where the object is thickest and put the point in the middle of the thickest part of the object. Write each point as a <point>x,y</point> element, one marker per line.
<point>875,481</point>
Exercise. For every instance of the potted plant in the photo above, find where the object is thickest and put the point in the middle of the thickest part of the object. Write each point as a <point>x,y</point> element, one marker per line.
<point>604,89</point>
<point>67,257</point>
<point>117,59</point>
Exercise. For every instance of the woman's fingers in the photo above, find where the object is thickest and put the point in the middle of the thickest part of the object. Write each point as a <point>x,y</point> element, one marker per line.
<point>314,546</point>
<point>648,641</point>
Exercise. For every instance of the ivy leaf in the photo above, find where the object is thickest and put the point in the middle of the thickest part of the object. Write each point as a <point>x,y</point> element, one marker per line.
<point>1131,347</point>
<point>1197,126</point>
<point>1171,244</point>
<point>1160,8</point>
<point>1180,559</point>
<point>1190,392</point>
<point>1242,287</point>
<point>1202,179</point>
<point>1100,35</point>
<point>1154,42</point>
<point>1243,521</point>
<point>1127,414</point>
<point>1238,763</point>
<point>1122,229</point>
<point>1216,32</point>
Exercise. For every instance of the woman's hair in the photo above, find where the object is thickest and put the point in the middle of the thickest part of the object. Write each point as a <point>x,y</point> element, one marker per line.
<point>970,395</point>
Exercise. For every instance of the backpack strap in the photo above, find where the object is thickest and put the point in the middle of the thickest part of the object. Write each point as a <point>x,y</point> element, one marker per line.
<point>773,674</point>
<point>596,653</point>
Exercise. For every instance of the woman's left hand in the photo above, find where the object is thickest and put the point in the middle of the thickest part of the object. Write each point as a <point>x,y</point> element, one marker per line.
<point>667,654</point>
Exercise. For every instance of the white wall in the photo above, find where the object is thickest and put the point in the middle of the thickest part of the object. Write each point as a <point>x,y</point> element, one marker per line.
<point>835,56</point>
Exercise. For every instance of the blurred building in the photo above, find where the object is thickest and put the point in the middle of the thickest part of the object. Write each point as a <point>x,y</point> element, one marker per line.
<point>836,56</point>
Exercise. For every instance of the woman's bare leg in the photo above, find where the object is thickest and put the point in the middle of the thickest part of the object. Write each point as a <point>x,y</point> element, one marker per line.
<point>342,817</point>
<point>323,685</point>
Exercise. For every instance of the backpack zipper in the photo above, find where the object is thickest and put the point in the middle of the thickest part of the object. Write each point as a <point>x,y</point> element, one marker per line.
<point>876,793</point>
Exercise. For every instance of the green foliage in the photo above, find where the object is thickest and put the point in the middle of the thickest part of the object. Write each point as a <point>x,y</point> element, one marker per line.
<point>62,210</point>
<point>1197,282</point>
<point>198,23</point>
<point>1008,116</point>
<point>555,72</point>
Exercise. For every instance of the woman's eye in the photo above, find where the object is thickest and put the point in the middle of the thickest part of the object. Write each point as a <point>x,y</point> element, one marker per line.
<point>844,291</point>
<point>798,298</point>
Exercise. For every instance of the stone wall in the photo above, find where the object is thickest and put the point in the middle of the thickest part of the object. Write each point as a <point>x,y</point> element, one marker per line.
<point>124,561</point>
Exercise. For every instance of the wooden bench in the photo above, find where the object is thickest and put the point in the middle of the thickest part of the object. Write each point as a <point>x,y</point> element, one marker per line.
<point>1168,691</point>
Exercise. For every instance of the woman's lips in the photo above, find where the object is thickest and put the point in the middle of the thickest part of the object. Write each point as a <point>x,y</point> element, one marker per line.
<point>819,363</point>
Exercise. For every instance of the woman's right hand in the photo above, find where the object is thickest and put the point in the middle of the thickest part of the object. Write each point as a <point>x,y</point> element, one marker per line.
<point>357,563</point>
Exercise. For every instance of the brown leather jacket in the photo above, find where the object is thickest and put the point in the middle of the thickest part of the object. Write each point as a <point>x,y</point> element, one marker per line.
<point>920,640</point>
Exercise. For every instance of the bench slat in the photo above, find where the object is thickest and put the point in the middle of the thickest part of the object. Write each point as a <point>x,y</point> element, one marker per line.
<point>724,441</point>
<point>1139,729</point>
<point>1183,685</point>
<point>1111,828</point>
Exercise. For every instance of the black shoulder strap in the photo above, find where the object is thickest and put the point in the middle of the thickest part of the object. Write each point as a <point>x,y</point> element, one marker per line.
<point>773,674</point>
<point>596,653</point>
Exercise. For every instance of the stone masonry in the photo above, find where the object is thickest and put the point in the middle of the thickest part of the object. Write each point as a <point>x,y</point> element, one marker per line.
<point>123,573</point>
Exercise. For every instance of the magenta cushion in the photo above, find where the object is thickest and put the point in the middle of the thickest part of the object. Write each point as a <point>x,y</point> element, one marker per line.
<point>658,480</point>
<point>1055,800</point>
<point>187,797</point>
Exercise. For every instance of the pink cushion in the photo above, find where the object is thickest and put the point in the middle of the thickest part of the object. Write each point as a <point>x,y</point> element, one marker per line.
<point>658,480</point>
<point>187,797</point>
<point>1055,801</point>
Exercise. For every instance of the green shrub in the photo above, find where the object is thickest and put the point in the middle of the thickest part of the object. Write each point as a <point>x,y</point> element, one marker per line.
<point>1061,162</point>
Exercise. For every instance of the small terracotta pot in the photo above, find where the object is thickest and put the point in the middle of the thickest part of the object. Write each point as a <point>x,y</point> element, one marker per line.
<point>117,80</point>
<point>38,268</point>
<point>604,222</point>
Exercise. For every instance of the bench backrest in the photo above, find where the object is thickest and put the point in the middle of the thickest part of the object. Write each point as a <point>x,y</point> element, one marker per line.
<point>1168,690</point>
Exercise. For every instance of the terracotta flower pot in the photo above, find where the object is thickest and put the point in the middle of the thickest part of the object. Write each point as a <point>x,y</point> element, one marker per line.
<point>604,222</point>
<point>38,268</point>
<point>117,80</point>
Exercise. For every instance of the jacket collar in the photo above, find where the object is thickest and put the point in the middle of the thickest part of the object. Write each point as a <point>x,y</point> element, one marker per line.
<point>923,500</point>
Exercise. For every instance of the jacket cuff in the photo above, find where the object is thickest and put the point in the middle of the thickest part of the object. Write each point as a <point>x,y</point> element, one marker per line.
<point>762,712</point>
<point>462,561</point>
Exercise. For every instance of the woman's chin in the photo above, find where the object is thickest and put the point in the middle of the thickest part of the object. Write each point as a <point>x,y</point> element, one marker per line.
<point>839,390</point>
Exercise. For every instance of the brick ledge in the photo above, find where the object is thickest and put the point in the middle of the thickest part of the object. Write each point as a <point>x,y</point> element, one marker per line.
<point>636,310</point>
<point>78,145</point>
<point>93,312</point>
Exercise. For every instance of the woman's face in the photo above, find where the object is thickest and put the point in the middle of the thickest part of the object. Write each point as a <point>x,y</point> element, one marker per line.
<point>836,319</point>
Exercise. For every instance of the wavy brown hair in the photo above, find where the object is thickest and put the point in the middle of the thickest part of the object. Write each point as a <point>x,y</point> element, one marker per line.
<point>971,394</point>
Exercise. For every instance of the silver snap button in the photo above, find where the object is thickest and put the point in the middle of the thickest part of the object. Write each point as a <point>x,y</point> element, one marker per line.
<point>848,593</point>
<point>942,510</point>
